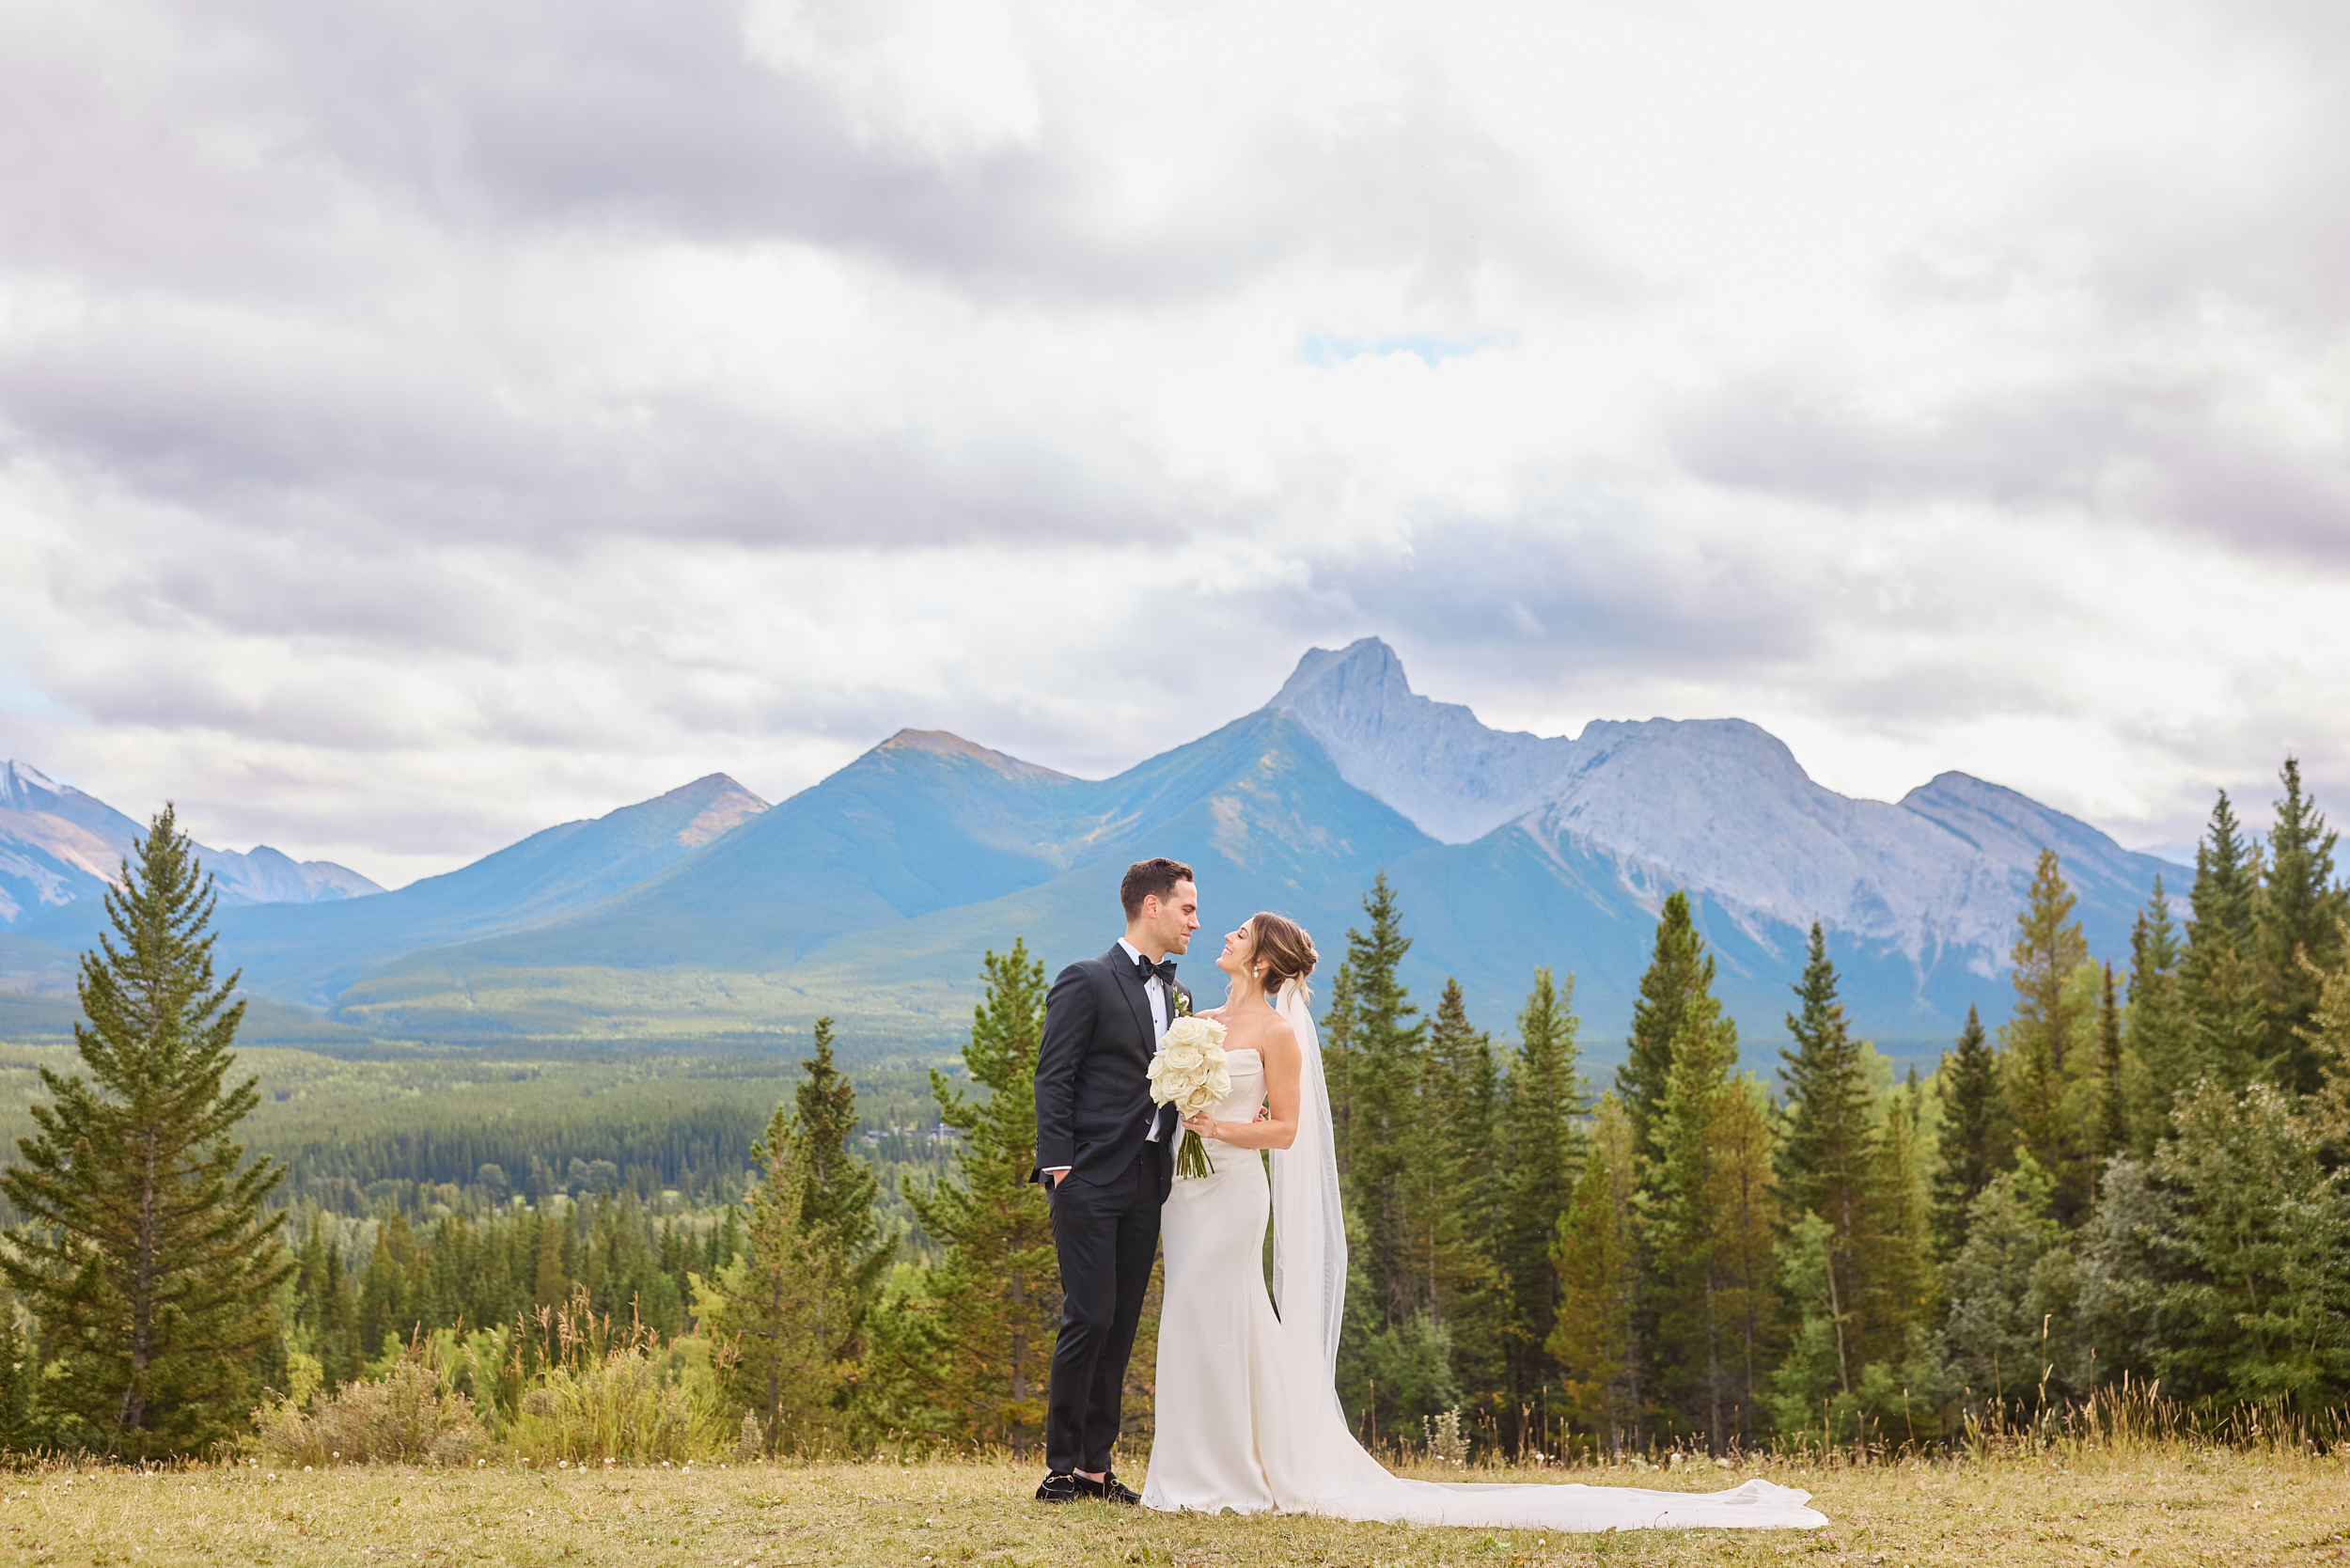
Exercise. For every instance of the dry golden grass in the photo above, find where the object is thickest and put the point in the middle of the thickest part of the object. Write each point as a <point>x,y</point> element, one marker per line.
<point>2174,1504</point>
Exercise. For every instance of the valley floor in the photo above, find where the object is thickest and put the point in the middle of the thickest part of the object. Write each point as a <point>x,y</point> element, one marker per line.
<point>2174,1505</point>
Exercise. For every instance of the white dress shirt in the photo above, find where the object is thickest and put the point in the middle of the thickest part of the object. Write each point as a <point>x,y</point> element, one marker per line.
<point>1162,1014</point>
<point>1154,988</point>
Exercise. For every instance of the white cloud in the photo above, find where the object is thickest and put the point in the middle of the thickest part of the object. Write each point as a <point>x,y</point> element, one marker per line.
<point>421,424</point>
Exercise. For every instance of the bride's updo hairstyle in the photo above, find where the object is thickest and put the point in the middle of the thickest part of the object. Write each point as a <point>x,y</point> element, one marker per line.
<point>1281,945</point>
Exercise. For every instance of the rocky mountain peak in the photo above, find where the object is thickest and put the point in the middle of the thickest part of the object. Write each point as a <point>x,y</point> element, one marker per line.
<point>722,803</point>
<point>1433,761</point>
<point>939,743</point>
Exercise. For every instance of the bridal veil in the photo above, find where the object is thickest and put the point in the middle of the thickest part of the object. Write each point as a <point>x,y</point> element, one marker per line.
<point>1308,1215</point>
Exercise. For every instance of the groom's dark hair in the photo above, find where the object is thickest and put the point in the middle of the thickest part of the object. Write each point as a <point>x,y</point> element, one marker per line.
<point>1146,877</point>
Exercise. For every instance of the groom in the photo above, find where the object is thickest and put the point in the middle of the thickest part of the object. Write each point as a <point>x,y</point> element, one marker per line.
<point>1105,1154</point>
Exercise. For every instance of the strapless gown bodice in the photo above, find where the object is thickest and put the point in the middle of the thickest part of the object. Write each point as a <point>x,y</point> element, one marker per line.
<point>1246,1097</point>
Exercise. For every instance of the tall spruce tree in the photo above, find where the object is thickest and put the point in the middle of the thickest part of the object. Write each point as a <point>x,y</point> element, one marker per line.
<point>2159,1046</point>
<point>2046,1042</point>
<point>997,1289</point>
<point>1383,1044</point>
<point>1455,1191</point>
<point>19,1372</point>
<point>2218,979</point>
<point>1972,1144</point>
<point>1897,1282</point>
<point>774,1302</point>
<point>1713,1191</point>
<point>1827,1163</point>
<point>145,1254</point>
<point>838,1188</point>
<point>2328,1037</point>
<point>2259,1306</point>
<point>2113,1110</point>
<point>1596,1248</point>
<point>799,1302</point>
<point>1547,1101</point>
<point>2300,918</point>
<point>1680,979</point>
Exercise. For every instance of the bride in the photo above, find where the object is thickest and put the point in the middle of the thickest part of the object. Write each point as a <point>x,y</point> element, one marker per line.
<point>1248,1413</point>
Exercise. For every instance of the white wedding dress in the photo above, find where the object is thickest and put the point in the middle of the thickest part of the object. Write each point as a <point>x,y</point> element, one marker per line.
<point>1248,1416</point>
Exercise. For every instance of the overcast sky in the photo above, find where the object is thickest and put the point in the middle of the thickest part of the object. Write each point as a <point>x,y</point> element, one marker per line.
<point>421,423</point>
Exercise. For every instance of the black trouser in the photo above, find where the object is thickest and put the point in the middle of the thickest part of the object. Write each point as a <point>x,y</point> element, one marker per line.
<point>1106,1235</point>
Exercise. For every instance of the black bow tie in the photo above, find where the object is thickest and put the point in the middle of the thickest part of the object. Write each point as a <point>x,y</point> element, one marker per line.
<point>1163,969</point>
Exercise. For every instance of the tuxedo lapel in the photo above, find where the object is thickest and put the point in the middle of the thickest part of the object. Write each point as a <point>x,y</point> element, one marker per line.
<point>1137,999</point>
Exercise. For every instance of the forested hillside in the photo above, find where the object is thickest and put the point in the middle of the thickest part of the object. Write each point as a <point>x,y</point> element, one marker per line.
<point>2127,1166</point>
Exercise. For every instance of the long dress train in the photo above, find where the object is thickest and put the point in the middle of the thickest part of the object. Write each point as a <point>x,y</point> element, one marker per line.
<point>1248,1411</point>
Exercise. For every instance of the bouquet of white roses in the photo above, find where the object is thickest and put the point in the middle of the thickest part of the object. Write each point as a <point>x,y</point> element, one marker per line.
<point>1189,1074</point>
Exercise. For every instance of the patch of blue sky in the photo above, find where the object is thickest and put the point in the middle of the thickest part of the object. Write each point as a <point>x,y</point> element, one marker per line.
<point>18,695</point>
<point>1432,347</point>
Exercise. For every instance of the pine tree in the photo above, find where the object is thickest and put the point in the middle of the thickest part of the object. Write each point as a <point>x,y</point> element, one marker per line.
<point>837,1197</point>
<point>145,1257</point>
<point>1450,1222</point>
<point>1547,1100</point>
<point>551,1282</point>
<point>1896,1272</point>
<point>1827,1163</point>
<point>2218,982</point>
<point>325,1318</point>
<point>1715,1215</point>
<point>1597,1251</point>
<point>773,1303</point>
<point>1383,1073</point>
<point>1338,1056</point>
<point>1972,1145</point>
<point>1483,1152</point>
<point>2260,1306</point>
<point>997,1289</point>
<point>2301,917</point>
<point>2327,1038</point>
<point>1680,978</point>
<point>19,1372</point>
<point>2157,1044</point>
<point>1861,1303</point>
<point>799,1302</point>
<point>2113,1111</point>
<point>1744,1142</point>
<point>2008,1287</point>
<point>2046,1044</point>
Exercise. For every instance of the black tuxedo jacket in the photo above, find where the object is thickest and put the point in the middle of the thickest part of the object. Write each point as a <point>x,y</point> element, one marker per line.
<point>1094,1107</point>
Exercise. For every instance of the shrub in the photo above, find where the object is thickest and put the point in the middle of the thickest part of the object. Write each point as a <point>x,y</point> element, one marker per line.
<point>606,1393</point>
<point>406,1416</point>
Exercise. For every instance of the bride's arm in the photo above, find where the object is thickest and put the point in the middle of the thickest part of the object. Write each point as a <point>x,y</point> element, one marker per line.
<point>1277,1046</point>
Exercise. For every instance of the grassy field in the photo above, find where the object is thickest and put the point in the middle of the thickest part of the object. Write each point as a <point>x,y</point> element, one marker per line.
<point>2169,1505</point>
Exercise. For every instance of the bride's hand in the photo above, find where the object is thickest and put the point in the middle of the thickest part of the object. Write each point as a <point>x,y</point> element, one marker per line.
<point>1203,1124</point>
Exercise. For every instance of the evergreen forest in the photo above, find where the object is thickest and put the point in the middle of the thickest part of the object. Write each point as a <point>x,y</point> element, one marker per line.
<point>2129,1169</point>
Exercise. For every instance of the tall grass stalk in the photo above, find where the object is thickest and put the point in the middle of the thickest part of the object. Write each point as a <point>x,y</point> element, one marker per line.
<point>590,1390</point>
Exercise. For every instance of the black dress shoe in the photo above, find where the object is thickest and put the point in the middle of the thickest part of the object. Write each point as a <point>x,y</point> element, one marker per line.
<point>1060,1487</point>
<point>1116,1491</point>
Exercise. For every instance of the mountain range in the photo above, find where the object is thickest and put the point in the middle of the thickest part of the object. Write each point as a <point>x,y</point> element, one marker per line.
<point>60,848</point>
<point>874,893</point>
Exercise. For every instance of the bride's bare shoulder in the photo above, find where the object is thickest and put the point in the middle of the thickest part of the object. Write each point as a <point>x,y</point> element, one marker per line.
<point>1272,1031</point>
